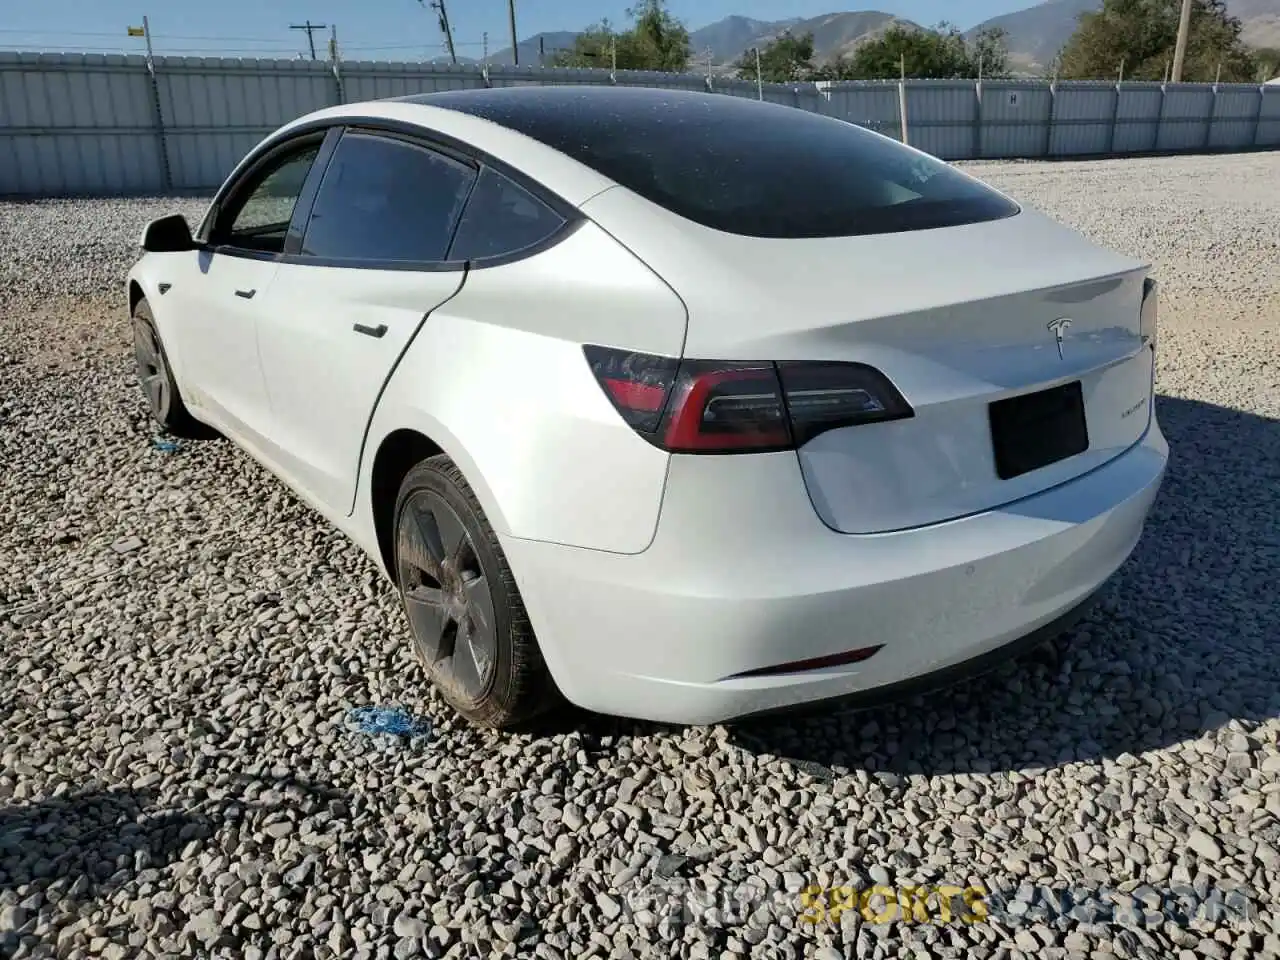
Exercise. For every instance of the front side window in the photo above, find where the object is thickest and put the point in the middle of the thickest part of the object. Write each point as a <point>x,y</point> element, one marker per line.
<point>262,221</point>
<point>386,200</point>
<point>501,218</point>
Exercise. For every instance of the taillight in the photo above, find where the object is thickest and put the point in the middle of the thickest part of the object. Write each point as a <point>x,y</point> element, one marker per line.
<point>637,383</point>
<point>825,395</point>
<point>1149,321</point>
<point>712,406</point>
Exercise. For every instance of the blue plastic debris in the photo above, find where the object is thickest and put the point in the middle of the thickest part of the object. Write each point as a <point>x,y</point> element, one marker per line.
<point>393,720</point>
<point>165,446</point>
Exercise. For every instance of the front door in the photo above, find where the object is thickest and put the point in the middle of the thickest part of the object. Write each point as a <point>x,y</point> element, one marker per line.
<point>223,288</point>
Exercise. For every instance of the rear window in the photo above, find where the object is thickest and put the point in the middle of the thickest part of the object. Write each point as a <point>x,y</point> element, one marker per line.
<point>749,168</point>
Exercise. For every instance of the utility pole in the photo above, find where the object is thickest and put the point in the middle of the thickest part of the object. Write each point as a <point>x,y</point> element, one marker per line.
<point>1180,48</point>
<point>759,77</point>
<point>311,29</point>
<point>484,40</point>
<point>443,14</point>
<point>515,43</point>
<point>542,51</point>
<point>146,32</point>
<point>902,94</point>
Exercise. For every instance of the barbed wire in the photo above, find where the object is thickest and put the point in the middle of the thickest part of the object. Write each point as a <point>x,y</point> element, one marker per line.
<point>215,44</point>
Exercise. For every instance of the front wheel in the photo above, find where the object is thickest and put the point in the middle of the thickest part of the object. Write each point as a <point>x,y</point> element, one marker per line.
<point>470,630</point>
<point>156,377</point>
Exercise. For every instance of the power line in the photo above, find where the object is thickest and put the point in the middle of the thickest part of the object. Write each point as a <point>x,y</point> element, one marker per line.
<point>311,29</point>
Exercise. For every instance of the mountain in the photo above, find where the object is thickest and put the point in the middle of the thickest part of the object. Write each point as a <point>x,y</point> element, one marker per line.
<point>834,34</point>
<point>1035,35</point>
<point>727,38</point>
<point>1261,19</point>
<point>551,42</point>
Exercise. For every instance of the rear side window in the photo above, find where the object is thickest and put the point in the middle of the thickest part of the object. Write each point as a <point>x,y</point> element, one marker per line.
<point>750,168</point>
<point>502,218</point>
<point>386,200</point>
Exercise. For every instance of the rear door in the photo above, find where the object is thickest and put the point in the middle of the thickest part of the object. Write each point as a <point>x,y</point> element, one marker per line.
<point>354,289</point>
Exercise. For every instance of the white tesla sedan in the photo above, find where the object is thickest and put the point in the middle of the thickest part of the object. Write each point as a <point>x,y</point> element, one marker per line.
<point>682,406</point>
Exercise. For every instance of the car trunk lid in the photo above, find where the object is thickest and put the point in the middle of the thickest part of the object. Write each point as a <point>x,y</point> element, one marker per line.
<point>959,318</point>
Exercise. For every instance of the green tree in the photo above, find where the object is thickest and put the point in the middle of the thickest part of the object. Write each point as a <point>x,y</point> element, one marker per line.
<point>1142,34</point>
<point>990,53</point>
<point>655,41</point>
<point>782,60</point>
<point>940,53</point>
<point>1268,59</point>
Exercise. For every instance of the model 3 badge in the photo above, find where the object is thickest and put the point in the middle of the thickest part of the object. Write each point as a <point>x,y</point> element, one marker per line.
<point>1059,330</point>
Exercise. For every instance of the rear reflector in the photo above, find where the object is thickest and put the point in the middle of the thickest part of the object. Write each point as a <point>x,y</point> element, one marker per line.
<point>814,663</point>
<point>713,406</point>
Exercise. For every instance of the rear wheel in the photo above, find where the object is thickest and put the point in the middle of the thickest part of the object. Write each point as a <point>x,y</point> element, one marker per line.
<point>470,630</point>
<point>156,377</point>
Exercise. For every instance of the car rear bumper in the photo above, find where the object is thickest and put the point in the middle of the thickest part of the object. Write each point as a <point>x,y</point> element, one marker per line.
<point>743,576</point>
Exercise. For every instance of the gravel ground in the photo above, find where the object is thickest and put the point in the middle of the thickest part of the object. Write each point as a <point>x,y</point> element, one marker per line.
<point>181,642</point>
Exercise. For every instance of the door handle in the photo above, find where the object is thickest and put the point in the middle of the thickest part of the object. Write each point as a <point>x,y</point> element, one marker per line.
<point>247,294</point>
<point>374,332</point>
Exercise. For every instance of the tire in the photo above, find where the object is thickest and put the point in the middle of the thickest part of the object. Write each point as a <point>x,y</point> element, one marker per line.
<point>469,626</point>
<point>155,376</point>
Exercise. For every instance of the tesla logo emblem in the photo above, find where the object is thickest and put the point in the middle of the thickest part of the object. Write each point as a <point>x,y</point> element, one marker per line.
<point>1059,330</point>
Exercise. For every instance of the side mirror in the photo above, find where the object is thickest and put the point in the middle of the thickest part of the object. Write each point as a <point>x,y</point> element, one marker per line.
<point>169,234</point>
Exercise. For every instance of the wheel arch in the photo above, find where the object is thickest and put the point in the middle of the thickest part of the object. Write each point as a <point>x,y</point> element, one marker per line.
<point>399,449</point>
<point>136,295</point>
<point>395,457</point>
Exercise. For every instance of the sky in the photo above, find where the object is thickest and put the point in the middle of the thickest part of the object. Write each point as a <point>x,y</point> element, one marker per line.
<point>388,29</point>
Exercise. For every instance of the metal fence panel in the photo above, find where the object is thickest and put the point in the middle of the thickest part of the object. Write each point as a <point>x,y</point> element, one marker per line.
<point>374,80</point>
<point>1083,102</point>
<point>201,160</point>
<point>874,106</point>
<point>1015,119</point>
<point>652,78</point>
<point>216,92</point>
<point>1137,117</point>
<point>1269,102</point>
<point>542,76</point>
<point>1139,101</point>
<point>1237,102</point>
<point>1083,114</point>
<point>76,123</point>
<point>941,118</point>
<point>783,93</point>
<point>71,164</point>
<point>1079,139</point>
<point>1135,137</point>
<point>91,123</point>
<point>1231,134</point>
<point>1184,116</point>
